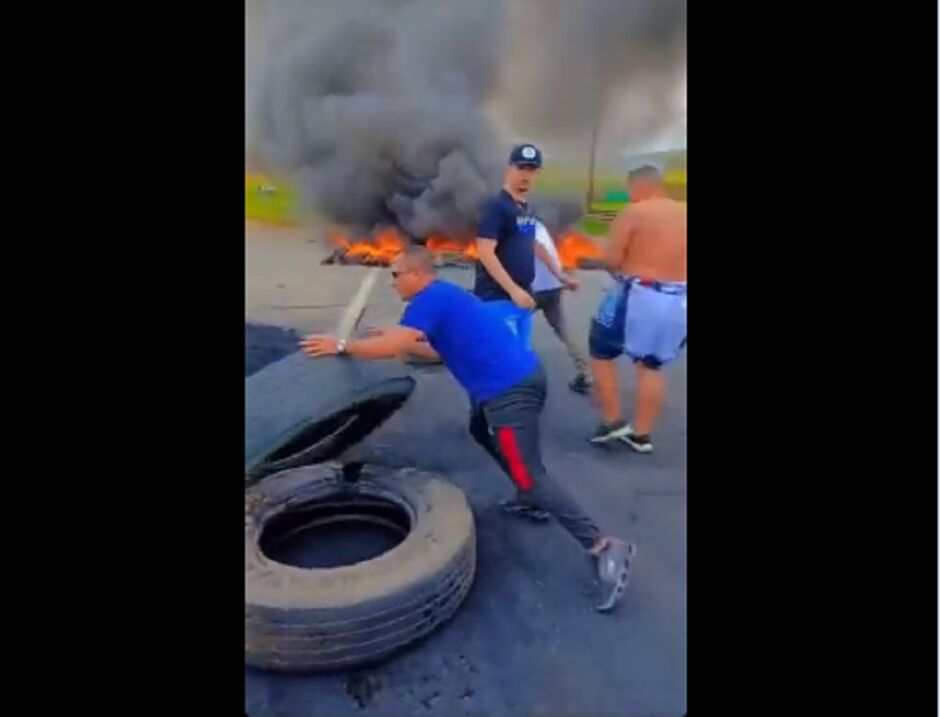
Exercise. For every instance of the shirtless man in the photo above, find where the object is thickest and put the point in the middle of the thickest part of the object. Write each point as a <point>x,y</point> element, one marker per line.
<point>644,314</point>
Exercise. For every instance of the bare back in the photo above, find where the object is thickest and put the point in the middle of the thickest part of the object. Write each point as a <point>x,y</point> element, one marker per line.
<point>648,239</point>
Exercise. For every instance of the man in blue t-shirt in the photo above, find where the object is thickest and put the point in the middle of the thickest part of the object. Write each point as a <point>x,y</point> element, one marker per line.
<point>507,393</point>
<point>506,244</point>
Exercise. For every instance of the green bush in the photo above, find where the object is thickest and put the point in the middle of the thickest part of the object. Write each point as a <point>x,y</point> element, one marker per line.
<point>269,201</point>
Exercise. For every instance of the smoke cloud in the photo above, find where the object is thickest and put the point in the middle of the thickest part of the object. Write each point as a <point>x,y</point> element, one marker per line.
<point>616,64</point>
<point>378,107</point>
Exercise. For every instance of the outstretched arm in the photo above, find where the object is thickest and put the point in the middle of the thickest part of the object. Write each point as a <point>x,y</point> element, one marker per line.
<point>542,253</point>
<point>388,343</point>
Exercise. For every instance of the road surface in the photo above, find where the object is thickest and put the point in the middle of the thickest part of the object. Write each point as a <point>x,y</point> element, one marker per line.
<point>526,641</point>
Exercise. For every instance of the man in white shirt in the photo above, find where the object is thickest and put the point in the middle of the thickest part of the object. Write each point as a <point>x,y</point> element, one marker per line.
<point>547,286</point>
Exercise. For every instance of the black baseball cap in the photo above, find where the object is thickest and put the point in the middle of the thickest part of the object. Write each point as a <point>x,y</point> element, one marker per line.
<point>525,155</point>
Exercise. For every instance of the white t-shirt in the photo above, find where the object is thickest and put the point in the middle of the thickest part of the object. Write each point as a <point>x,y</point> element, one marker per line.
<point>544,279</point>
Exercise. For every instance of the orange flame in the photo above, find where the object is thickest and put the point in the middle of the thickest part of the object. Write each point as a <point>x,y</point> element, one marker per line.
<point>387,243</point>
<point>575,247</point>
<point>380,248</point>
<point>383,246</point>
<point>443,245</point>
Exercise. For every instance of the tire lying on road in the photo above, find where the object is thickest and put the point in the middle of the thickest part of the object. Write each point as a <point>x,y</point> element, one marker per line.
<point>328,619</point>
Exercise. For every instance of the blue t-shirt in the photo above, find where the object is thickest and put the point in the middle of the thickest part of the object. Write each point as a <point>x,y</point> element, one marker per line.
<point>512,225</point>
<point>476,345</point>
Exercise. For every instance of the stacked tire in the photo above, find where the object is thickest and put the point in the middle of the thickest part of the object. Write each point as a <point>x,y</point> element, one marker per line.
<point>331,619</point>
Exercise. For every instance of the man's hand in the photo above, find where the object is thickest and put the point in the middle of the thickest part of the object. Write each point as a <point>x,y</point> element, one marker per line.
<point>523,299</point>
<point>320,345</point>
<point>487,251</point>
<point>570,283</point>
<point>422,349</point>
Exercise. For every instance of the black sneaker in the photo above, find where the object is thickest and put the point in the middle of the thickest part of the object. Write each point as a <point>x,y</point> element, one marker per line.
<point>520,509</point>
<point>607,432</point>
<point>641,444</point>
<point>581,384</point>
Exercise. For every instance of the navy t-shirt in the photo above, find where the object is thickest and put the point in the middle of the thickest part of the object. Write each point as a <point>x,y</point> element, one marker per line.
<point>512,225</point>
<point>475,343</point>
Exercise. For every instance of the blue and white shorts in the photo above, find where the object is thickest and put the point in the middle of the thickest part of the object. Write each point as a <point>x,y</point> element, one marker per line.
<point>646,320</point>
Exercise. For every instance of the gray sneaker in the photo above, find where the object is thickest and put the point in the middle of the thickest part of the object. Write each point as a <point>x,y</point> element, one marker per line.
<point>613,569</point>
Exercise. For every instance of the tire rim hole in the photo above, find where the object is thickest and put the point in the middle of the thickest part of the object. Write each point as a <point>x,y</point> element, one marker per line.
<point>335,533</point>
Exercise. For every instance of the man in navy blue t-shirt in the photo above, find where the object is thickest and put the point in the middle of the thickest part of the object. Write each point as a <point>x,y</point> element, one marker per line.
<point>507,393</point>
<point>506,243</point>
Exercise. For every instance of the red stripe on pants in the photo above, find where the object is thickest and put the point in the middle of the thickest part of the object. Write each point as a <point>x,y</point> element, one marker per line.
<point>509,447</point>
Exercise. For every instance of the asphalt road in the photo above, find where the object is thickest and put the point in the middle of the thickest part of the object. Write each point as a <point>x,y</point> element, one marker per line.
<point>526,641</point>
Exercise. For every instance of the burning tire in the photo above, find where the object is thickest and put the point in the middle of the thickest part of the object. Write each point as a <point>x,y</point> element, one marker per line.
<point>323,619</point>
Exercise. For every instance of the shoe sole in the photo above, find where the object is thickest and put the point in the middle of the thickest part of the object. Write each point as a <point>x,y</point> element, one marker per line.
<point>617,595</point>
<point>621,583</point>
<point>619,434</point>
<point>637,447</point>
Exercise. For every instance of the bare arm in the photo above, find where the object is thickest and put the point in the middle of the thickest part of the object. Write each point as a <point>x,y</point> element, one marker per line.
<point>388,343</point>
<point>618,245</point>
<point>493,218</point>
<point>421,348</point>
<point>486,248</point>
<point>542,253</point>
